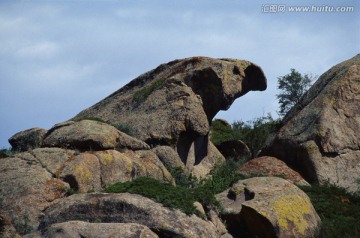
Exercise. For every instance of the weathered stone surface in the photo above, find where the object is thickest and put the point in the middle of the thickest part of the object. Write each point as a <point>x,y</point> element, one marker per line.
<point>92,171</point>
<point>202,169</point>
<point>128,208</point>
<point>320,138</point>
<point>122,167</point>
<point>28,139</point>
<point>90,135</point>
<point>168,157</point>
<point>271,166</point>
<point>26,190</point>
<point>174,103</point>
<point>83,173</point>
<point>80,229</point>
<point>235,149</point>
<point>52,159</point>
<point>7,230</point>
<point>269,207</point>
<point>148,161</point>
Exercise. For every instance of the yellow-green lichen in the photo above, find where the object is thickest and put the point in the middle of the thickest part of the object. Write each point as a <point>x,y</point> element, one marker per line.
<point>106,159</point>
<point>84,174</point>
<point>292,209</point>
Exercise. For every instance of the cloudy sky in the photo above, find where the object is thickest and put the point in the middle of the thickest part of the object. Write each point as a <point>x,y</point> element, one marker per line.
<point>59,57</point>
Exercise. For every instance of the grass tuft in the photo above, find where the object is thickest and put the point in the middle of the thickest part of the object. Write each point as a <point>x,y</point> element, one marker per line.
<point>141,95</point>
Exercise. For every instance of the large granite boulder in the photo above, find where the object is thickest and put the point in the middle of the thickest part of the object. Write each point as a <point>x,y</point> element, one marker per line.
<point>26,190</point>
<point>320,137</point>
<point>128,208</point>
<point>271,166</point>
<point>28,139</point>
<point>81,229</point>
<point>90,135</point>
<point>174,104</point>
<point>269,207</point>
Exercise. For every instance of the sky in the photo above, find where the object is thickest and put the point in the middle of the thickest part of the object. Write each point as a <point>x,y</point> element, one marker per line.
<point>58,57</point>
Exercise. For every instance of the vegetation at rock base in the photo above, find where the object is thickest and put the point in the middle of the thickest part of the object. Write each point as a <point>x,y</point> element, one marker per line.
<point>339,210</point>
<point>188,189</point>
<point>125,128</point>
<point>253,133</point>
<point>292,86</point>
<point>4,153</point>
<point>141,95</point>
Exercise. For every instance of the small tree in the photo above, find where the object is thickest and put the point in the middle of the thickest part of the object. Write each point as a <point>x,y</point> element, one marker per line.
<point>293,86</point>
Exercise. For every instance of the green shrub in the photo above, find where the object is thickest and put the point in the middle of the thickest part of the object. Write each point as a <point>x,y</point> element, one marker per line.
<point>170,196</point>
<point>338,210</point>
<point>141,95</point>
<point>4,153</point>
<point>187,191</point>
<point>253,133</point>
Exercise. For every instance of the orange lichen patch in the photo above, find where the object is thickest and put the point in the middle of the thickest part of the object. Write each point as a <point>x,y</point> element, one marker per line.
<point>55,188</point>
<point>270,166</point>
<point>343,199</point>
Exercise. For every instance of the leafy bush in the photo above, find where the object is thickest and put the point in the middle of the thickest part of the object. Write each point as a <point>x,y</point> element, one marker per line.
<point>170,196</point>
<point>338,210</point>
<point>292,86</point>
<point>253,133</point>
<point>4,153</point>
<point>187,191</point>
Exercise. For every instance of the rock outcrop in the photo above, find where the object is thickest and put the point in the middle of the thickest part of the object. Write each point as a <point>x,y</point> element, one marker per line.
<point>80,229</point>
<point>174,104</point>
<point>271,166</point>
<point>128,208</point>
<point>26,190</point>
<point>28,139</point>
<point>269,207</point>
<point>32,181</point>
<point>320,137</point>
<point>90,135</point>
<point>168,111</point>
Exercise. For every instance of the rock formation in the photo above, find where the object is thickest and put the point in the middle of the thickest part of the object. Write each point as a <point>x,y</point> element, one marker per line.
<point>168,112</point>
<point>174,104</point>
<point>128,208</point>
<point>320,137</point>
<point>269,207</point>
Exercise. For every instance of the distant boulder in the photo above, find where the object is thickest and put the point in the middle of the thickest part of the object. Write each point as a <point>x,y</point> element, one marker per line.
<point>234,149</point>
<point>320,136</point>
<point>28,139</point>
<point>271,166</point>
